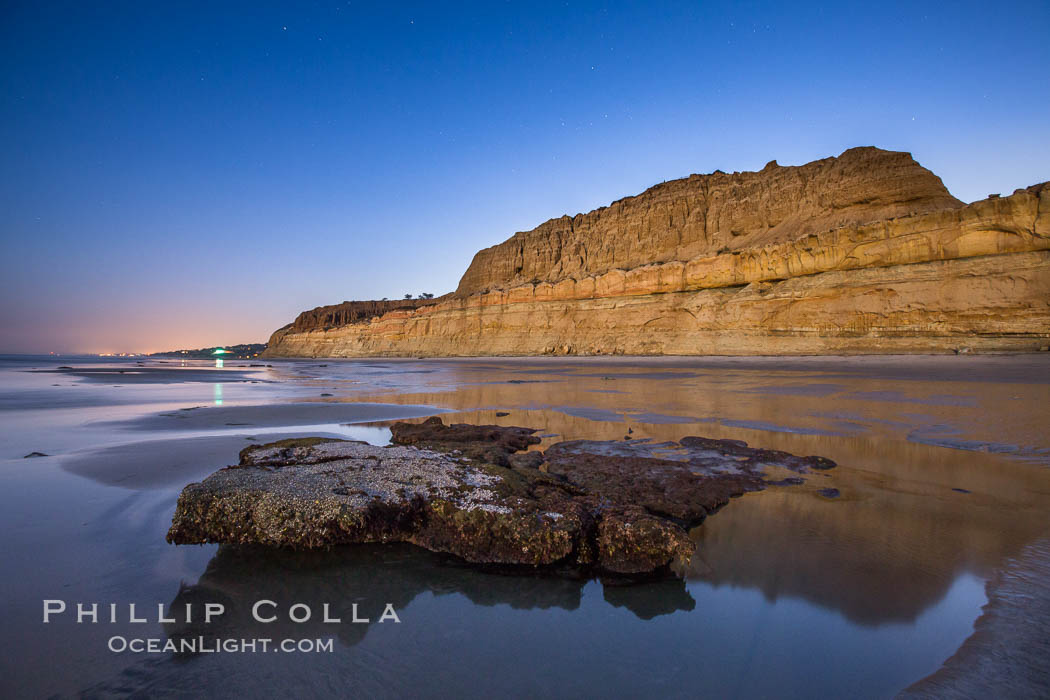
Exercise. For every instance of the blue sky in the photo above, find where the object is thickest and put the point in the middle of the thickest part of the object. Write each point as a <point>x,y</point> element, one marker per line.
<point>188,174</point>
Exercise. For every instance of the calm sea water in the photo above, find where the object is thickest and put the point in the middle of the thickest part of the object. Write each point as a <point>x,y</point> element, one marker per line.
<point>943,476</point>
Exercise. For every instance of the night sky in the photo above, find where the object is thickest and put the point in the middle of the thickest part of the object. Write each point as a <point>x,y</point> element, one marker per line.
<point>188,174</point>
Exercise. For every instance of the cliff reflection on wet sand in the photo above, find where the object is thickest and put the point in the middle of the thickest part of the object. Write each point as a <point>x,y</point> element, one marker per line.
<point>911,517</point>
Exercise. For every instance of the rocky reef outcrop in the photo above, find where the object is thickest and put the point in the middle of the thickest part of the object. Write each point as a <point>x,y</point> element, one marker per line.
<point>863,253</point>
<point>477,492</point>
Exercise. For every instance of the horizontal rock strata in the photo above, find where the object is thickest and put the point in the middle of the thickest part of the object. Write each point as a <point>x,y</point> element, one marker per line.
<point>863,253</point>
<point>473,491</point>
<point>348,312</point>
<point>702,215</point>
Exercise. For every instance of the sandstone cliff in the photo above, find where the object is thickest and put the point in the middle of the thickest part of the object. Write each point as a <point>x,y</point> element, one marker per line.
<point>863,253</point>
<point>701,215</point>
<point>332,316</point>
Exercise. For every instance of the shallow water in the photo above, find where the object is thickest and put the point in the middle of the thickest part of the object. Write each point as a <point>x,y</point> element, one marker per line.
<point>943,475</point>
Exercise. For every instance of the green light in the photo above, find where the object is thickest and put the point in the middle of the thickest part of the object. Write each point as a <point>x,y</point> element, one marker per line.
<point>218,351</point>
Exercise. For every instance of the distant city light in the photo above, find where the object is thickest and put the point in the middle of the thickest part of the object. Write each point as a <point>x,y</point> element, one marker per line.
<point>219,351</point>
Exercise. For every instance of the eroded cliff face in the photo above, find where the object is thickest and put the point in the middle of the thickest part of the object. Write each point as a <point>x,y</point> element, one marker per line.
<point>863,253</point>
<point>334,315</point>
<point>701,215</point>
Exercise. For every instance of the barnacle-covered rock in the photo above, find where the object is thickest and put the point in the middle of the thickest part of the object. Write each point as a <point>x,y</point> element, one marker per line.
<point>614,507</point>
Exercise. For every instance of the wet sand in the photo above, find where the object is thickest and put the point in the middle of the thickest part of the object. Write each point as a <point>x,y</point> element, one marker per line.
<point>152,464</point>
<point>1007,655</point>
<point>943,479</point>
<point>152,375</point>
<point>269,415</point>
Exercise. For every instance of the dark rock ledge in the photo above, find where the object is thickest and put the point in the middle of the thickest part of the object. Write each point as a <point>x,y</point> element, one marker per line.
<point>478,493</point>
